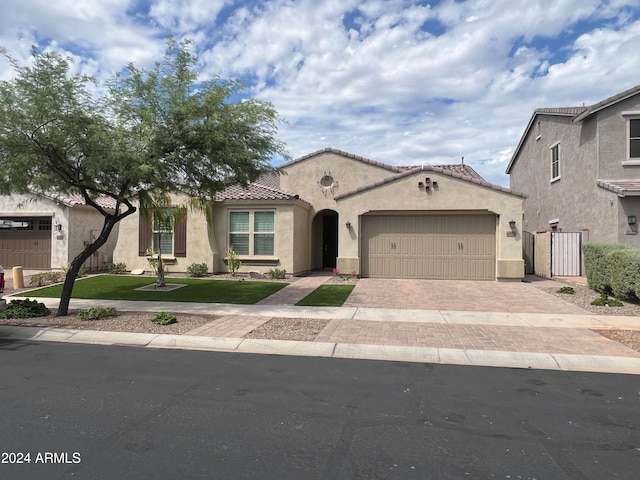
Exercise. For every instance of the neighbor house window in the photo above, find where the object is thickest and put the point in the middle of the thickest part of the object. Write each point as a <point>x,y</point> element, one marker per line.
<point>634,139</point>
<point>252,232</point>
<point>555,162</point>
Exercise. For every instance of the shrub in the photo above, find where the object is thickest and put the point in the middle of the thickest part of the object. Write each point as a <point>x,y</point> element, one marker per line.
<point>67,267</point>
<point>197,269</point>
<point>624,272</point>
<point>97,313</point>
<point>604,301</point>
<point>44,278</point>
<point>233,262</point>
<point>278,273</point>
<point>566,290</point>
<point>115,268</point>
<point>596,265</point>
<point>164,318</point>
<point>24,309</point>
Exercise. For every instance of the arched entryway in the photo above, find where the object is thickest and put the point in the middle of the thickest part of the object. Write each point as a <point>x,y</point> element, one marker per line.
<point>324,234</point>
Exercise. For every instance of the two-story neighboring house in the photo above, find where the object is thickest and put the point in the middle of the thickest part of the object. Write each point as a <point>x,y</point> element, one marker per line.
<point>580,169</point>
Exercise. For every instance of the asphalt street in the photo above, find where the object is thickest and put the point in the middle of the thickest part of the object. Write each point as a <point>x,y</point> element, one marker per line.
<point>105,412</point>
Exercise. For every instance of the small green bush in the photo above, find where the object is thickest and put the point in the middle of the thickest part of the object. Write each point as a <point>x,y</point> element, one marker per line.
<point>197,269</point>
<point>45,278</point>
<point>233,261</point>
<point>67,267</point>
<point>278,273</point>
<point>97,313</point>
<point>624,272</point>
<point>164,318</point>
<point>24,309</point>
<point>604,301</point>
<point>596,265</point>
<point>116,268</point>
<point>566,290</point>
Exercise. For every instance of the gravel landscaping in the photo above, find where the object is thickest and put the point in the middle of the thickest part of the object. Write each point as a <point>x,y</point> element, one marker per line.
<point>583,297</point>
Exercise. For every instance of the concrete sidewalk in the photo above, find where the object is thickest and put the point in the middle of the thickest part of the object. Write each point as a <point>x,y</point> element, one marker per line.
<point>505,339</point>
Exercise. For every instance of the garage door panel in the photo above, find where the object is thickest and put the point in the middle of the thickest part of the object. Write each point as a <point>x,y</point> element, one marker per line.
<point>429,246</point>
<point>27,247</point>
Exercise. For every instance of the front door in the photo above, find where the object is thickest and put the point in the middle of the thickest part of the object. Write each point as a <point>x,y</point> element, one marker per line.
<point>329,240</point>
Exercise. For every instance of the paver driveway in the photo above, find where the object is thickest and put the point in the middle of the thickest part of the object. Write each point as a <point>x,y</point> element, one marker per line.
<point>465,295</point>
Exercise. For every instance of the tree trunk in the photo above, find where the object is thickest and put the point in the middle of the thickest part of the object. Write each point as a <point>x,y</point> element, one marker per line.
<point>67,289</point>
<point>161,282</point>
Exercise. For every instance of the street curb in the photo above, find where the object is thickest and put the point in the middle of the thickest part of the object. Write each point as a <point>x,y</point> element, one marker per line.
<point>443,356</point>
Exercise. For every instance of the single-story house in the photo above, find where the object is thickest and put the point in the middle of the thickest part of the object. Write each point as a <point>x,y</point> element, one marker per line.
<point>49,231</point>
<point>332,209</point>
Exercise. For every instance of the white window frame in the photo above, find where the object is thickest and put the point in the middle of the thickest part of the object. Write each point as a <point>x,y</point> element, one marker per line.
<point>628,117</point>
<point>556,147</point>
<point>252,233</point>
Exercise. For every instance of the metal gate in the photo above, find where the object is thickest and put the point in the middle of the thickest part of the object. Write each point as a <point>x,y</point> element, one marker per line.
<point>566,254</point>
<point>528,252</point>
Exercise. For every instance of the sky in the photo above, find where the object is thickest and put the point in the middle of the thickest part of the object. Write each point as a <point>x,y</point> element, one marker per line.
<point>397,81</point>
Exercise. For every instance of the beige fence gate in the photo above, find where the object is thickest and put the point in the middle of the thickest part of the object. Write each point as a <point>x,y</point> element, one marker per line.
<point>566,254</point>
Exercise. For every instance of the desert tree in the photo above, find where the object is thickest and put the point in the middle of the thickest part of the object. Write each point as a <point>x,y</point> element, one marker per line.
<point>150,133</point>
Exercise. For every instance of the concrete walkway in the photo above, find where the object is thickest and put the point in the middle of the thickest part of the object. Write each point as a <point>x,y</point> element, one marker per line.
<point>295,291</point>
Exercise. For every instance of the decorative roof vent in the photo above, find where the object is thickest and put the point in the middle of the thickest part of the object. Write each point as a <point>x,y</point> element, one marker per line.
<point>327,183</point>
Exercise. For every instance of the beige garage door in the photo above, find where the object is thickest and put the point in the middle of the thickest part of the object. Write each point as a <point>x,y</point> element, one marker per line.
<point>25,242</point>
<point>429,246</point>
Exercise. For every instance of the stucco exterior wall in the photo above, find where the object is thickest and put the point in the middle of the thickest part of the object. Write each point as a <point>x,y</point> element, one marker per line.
<point>543,254</point>
<point>290,236</point>
<point>199,248</point>
<point>303,177</point>
<point>84,225</point>
<point>628,234</point>
<point>301,239</point>
<point>568,198</point>
<point>612,141</point>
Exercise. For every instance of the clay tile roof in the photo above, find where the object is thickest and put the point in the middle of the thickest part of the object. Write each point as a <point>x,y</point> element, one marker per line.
<point>72,200</point>
<point>347,155</point>
<point>565,111</point>
<point>607,102</point>
<point>463,170</point>
<point>254,191</point>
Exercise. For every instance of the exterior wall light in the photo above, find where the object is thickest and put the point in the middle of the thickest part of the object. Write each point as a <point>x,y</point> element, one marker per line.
<point>348,225</point>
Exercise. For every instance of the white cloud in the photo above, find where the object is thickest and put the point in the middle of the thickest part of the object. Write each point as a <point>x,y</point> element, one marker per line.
<point>182,16</point>
<point>364,75</point>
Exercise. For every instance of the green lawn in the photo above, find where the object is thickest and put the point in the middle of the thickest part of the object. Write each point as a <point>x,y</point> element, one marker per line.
<point>121,287</point>
<point>327,296</point>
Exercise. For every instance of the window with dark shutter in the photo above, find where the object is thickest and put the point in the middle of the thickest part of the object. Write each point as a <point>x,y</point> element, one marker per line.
<point>144,234</point>
<point>180,236</point>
